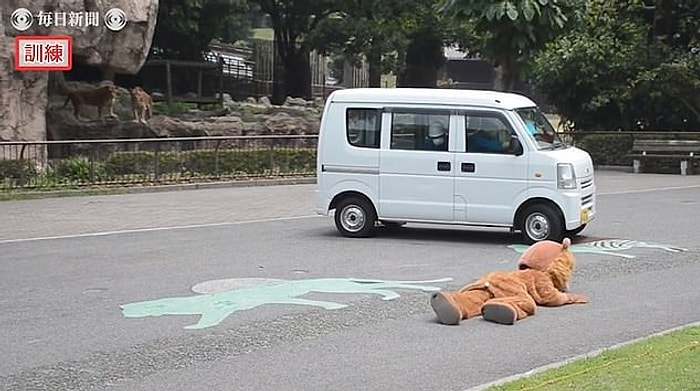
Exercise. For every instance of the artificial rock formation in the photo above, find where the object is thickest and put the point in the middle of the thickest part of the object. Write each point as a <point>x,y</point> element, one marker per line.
<point>23,95</point>
<point>249,118</point>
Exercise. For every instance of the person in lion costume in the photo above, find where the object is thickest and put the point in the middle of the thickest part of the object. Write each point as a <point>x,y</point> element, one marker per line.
<point>543,277</point>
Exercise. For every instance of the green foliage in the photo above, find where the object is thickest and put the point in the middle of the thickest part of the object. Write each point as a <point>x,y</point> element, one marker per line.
<point>159,167</point>
<point>186,27</point>
<point>384,33</point>
<point>142,163</point>
<point>16,169</point>
<point>293,22</point>
<point>176,107</point>
<point>509,32</point>
<point>213,162</point>
<point>626,67</point>
<point>372,29</point>
<point>608,149</point>
<point>78,169</point>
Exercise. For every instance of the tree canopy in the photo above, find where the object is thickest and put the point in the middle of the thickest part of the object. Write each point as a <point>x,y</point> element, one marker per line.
<point>294,22</point>
<point>186,27</point>
<point>631,65</point>
<point>509,32</point>
<point>368,30</point>
<point>405,37</point>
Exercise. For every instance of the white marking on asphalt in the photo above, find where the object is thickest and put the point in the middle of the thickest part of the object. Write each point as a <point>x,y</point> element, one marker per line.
<point>649,190</point>
<point>153,229</point>
<point>232,223</point>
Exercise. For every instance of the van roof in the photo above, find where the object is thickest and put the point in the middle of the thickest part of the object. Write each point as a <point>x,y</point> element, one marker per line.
<point>504,100</point>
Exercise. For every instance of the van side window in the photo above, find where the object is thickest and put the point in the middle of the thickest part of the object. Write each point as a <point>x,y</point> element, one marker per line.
<point>363,127</point>
<point>419,131</point>
<point>487,133</point>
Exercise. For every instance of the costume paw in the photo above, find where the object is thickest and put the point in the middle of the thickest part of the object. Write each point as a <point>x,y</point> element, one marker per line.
<point>499,313</point>
<point>578,299</point>
<point>446,311</point>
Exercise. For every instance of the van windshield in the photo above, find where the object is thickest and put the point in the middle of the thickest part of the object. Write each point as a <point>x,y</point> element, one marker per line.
<point>540,129</point>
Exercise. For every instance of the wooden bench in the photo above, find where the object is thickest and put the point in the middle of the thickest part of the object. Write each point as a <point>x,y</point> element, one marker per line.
<point>685,151</point>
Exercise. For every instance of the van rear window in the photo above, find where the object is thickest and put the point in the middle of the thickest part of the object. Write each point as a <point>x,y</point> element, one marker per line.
<point>363,127</point>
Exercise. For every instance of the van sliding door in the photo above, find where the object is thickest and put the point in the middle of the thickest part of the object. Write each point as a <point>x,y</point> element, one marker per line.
<point>416,180</point>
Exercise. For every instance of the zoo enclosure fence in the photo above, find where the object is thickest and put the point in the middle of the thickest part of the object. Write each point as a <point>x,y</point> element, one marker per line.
<point>46,165</point>
<point>38,165</point>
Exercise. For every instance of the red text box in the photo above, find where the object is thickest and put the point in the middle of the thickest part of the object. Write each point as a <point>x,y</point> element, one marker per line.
<point>43,53</point>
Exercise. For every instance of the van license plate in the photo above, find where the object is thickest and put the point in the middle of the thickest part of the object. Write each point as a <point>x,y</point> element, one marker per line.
<point>584,216</point>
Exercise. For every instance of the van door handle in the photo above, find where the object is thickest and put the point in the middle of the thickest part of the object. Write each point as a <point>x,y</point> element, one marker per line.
<point>468,167</point>
<point>444,166</point>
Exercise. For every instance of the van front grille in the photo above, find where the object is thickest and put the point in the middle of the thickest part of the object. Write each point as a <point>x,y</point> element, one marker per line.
<point>585,200</point>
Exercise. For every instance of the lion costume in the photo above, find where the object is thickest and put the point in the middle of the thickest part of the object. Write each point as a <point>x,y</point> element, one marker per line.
<point>505,297</point>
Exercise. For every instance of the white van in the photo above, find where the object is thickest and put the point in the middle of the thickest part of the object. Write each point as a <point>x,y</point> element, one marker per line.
<point>389,156</point>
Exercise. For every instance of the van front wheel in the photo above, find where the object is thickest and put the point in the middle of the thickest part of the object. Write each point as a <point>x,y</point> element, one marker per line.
<point>355,217</point>
<point>541,222</point>
<point>575,231</point>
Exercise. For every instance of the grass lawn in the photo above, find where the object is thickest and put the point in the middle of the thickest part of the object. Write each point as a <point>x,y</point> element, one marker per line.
<point>666,362</point>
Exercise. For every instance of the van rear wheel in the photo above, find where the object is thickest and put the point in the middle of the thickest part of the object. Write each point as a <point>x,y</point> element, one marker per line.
<point>541,222</point>
<point>355,217</point>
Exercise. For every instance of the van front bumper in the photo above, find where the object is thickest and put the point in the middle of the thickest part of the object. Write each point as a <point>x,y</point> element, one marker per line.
<point>580,209</point>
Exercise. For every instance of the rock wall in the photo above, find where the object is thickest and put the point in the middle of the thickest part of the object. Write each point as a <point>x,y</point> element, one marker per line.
<point>249,118</point>
<point>23,95</point>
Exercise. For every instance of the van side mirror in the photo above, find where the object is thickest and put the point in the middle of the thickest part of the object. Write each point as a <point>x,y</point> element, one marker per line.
<point>515,146</point>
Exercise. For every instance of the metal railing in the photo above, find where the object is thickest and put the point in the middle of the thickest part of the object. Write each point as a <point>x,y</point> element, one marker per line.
<point>153,161</point>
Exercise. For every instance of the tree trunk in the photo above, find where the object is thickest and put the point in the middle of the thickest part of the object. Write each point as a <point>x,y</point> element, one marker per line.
<point>375,70</point>
<point>510,77</point>
<point>297,75</point>
<point>295,70</point>
<point>424,57</point>
<point>506,74</point>
<point>498,81</point>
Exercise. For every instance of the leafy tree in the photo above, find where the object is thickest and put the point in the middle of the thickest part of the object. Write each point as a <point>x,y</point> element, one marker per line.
<point>293,22</point>
<point>401,36</point>
<point>629,66</point>
<point>186,27</point>
<point>365,30</point>
<point>424,56</point>
<point>509,32</point>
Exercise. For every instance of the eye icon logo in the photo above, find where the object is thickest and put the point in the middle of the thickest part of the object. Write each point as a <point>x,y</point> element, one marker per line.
<point>21,19</point>
<point>115,19</point>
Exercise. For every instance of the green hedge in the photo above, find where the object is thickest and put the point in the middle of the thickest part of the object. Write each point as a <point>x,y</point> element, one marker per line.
<point>16,169</point>
<point>613,149</point>
<point>78,170</point>
<point>211,162</point>
<point>608,149</point>
<point>170,166</point>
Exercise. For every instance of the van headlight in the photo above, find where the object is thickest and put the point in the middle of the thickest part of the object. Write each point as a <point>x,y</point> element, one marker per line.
<point>566,176</point>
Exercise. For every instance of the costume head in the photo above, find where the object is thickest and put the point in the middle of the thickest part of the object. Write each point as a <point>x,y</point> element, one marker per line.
<point>552,257</point>
<point>436,133</point>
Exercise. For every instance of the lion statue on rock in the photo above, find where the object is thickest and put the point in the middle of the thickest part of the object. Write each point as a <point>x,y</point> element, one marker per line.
<point>543,277</point>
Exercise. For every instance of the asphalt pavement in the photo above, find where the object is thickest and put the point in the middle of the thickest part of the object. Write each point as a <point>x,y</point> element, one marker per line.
<point>69,265</point>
